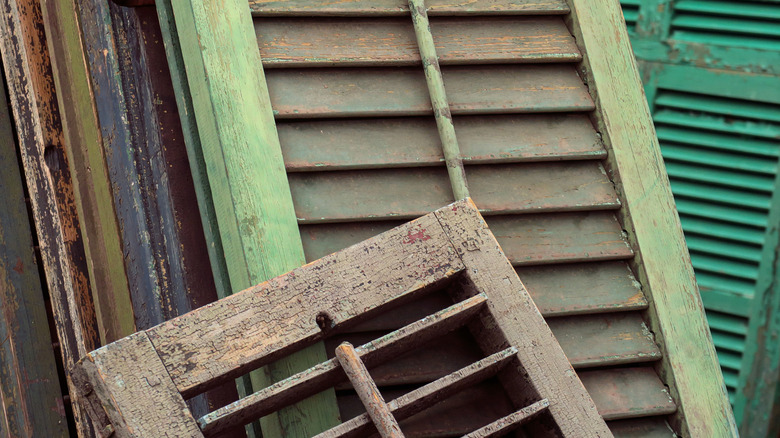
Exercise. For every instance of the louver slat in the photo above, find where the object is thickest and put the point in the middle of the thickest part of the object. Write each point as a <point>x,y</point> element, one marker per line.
<point>297,42</point>
<point>401,7</point>
<point>377,92</point>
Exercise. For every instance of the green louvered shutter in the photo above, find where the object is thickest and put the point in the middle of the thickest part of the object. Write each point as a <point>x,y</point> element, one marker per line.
<point>631,13</point>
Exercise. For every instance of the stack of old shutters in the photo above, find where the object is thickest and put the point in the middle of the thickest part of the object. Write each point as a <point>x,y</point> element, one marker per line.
<point>363,154</point>
<point>712,77</point>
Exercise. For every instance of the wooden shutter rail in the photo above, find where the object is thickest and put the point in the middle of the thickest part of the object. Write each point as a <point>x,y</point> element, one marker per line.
<point>441,107</point>
<point>351,8</point>
<point>419,399</point>
<point>319,377</point>
<point>368,392</point>
<point>507,424</point>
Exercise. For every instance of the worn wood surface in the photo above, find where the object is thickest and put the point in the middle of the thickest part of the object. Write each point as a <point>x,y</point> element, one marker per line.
<point>412,142</point>
<point>499,189</point>
<point>641,427</point>
<point>368,392</point>
<point>509,423</point>
<point>137,393</point>
<point>299,42</point>
<point>47,173</point>
<point>676,315</point>
<point>30,394</point>
<point>628,392</point>
<point>93,192</point>
<point>401,7</point>
<point>544,363</point>
<point>306,93</point>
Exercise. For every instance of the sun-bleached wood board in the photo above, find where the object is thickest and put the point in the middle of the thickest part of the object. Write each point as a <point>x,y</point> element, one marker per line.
<point>506,89</point>
<point>398,193</point>
<point>400,7</point>
<point>191,353</point>
<point>411,142</point>
<point>305,42</point>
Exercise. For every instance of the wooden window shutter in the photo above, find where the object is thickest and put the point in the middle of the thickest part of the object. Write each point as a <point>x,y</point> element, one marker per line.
<point>139,384</point>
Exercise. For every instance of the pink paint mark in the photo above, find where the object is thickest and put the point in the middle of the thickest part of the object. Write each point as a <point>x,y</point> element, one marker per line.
<point>414,237</point>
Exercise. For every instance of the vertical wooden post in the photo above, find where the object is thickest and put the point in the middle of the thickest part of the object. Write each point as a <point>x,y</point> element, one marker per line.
<point>242,158</point>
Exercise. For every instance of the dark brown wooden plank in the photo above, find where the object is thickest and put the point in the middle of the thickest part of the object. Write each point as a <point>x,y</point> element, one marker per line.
<point>577,288</point>
<point>353,42</point>
<point>257,328</point>
<point>652,427</point>
<point>409,193</point>
<point>410,142</point>
<point>628,392</point>
<point>602,340</point>
<point>306,93</point>
<point>400,7</point>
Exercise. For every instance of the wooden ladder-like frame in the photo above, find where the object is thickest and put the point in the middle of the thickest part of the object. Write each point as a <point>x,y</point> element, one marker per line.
<point>137,386</point>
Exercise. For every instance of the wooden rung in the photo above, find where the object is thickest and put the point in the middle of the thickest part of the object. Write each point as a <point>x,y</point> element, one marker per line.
<point>321,376</point>
<point>419,399</point>
<point>506,424</point>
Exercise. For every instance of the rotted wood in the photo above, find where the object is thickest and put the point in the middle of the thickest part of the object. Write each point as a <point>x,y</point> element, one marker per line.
<point>368,392</point>
<point>401,7</point>
<point>47,172</point>
<point>30,397</point>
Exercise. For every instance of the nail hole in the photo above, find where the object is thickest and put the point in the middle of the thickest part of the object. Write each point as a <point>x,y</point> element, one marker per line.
<point>324,321</point>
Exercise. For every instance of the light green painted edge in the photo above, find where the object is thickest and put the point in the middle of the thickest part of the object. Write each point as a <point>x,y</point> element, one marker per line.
<point>757,401</point>
<point>676,315</point>
<point>99,228</point>
<point>245,170</point>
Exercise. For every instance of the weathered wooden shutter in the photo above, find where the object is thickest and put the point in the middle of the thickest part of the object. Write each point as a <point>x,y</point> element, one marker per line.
<point>362,153</point>
<point>732,23</point>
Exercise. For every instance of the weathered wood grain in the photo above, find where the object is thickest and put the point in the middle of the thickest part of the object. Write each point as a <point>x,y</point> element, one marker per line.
<point>30,398</point>
<point>368,392</point>
<point>583,288</point>
<point>49,184</point>
<point>545,366</point>
<point>526,239</point>
<point>306,42</point>
<point>307,93</point>
<point>183,344</point>
<point>676,316</point>
<point>628,393</point>
<point>512,421</point>
<point>410,142</point>
<point>137,393</point>
<point>400,7</point>
<point>653,427</point>
<point>409,193</point>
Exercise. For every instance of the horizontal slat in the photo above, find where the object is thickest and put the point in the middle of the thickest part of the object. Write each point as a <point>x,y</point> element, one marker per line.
<point>628,393</point>
<point>718,159</point>
<point>692,207</point>
<point>716,140</point>
<point>401,7</point>
<point>409,193</point>
<point>721,265</point>
<point>727,341</point>
<point>722,299</point>
<point>718,105</point>
<point>353,42</point>
<point>717,247</point>
<point>731,379</point>
<point>701,36</point>
<point>653,427</point>
<point>720,124</point>
<point>761,11</point>
<point>727,323</point>
<point>722,230</point>
<point>378,92</point>
<point>526,239</point>
<point>408,142</point>
<point>578,288</point>
<point>601,340</point>
<point>512,421</point>
<point>712,175</point>
<point>415,401</point>
<point>318,378</point>
<point>729,360</point>
<point>708,192</point>
<point>714,282</point>
<point>726,24</point>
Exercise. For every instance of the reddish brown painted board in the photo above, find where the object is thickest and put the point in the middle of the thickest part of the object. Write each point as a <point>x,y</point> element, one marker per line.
<point>352,42</point>
<point>411,142</point>
<point>409,193</point>
<point>307,93</point>
<point>400,7</point>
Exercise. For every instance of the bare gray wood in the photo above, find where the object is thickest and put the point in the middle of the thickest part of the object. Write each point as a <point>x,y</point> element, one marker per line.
<point>509,423</point>
<point>321,376</point>
<point>369,394</point>
<point>421,398</point>
<point>136,392</point>
<point>518,322</point>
